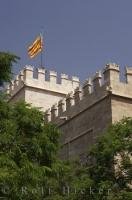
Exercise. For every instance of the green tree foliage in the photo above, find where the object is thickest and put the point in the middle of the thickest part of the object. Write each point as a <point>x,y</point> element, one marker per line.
<point>112,166</point>
<point>30,168</point>
<point>28,149</point>
<point>29,165</point>
<point>6,62</point>
<point>109,175</point>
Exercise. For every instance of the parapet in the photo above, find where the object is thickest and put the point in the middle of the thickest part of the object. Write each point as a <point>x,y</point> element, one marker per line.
<point>97,81</point>
<point>102,84</point>
<point>43,80</point>
<point>76,98</point>
<point>87,87</point>
<point>77,95</point>
<point>129,75</point>
<point>111,73</point>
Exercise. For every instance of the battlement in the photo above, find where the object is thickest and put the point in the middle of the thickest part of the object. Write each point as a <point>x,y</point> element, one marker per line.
<point>44,80</point>
<point>82,112</point>
<point>102,84</point>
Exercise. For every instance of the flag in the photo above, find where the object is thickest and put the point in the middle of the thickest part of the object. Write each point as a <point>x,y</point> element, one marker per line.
<point>36,47</point>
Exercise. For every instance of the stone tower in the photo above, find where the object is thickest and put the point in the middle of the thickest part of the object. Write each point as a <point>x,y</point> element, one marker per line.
<point>43,90</point>
<point>81,112</point>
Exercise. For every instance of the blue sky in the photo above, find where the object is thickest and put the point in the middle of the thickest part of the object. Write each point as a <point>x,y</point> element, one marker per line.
<point>80,36</point>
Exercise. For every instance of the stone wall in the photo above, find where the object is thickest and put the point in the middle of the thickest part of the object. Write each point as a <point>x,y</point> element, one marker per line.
<point>81,131</point>
<point>85,114</point>
<point>43,90</point>
<point>121,107</point>
<point>81,112</point>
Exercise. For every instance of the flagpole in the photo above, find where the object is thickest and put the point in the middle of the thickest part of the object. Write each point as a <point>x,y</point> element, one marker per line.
<point>41,59</point>
<point>41,55</point>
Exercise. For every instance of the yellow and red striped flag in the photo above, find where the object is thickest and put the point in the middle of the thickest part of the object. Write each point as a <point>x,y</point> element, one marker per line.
<point>35,47</point>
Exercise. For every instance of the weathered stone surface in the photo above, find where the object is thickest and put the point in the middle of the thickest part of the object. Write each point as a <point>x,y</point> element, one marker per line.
<point>82,114</point>
<point>40,92</point>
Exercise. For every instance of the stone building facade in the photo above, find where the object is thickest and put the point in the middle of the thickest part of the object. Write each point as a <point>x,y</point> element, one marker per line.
<point>82,112</point>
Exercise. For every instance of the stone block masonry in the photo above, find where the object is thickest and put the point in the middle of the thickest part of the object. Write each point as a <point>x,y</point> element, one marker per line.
<point>42,91</point>
<point>82,112</point>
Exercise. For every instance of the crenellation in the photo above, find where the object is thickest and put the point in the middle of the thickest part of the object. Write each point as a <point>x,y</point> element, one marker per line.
<point>64,79</point>
<point>53,77</point>
<point>93,91</point>
<point>112,66</point>
<point>78,95</point>
<point>87,87</point>
<point>72,97</point>
<point>75,78</point>
<point>97,81</point>
<point>28,72</point>
<point>111,74</point>
<point>21,76</point>
<point>54,112</point>
<point>41,82</point>
<point>16,82</point>
<point>61,106</point>
<point>81,112</point>
<point>64,76</point>
<point>129,75</point>
<point>75,81</point>
<point>69,101</point>
<point>41,74</point>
